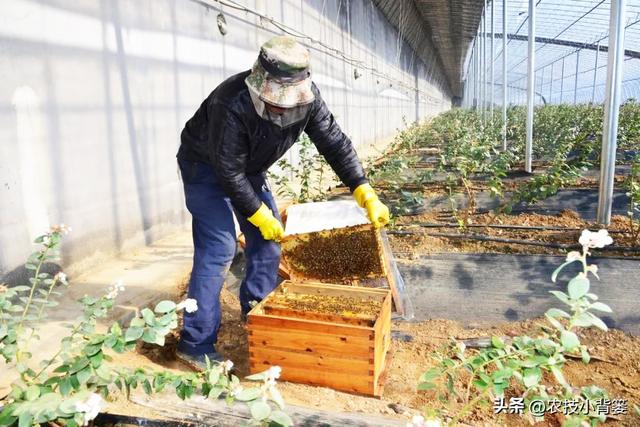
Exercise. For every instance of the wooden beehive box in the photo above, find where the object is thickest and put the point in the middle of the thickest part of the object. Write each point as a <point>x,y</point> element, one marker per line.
<point>323,334</point>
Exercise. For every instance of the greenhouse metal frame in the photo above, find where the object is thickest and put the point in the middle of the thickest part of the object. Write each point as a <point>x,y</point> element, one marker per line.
<point>555,51</point>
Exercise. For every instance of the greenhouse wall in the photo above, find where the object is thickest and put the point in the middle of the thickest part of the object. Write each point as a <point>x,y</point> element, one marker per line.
<point>94,95</point>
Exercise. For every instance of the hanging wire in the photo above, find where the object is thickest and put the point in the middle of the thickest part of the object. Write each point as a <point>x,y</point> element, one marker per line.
<point>313,41</point>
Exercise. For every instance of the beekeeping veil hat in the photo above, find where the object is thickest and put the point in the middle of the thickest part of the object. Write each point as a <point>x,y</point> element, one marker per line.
<point>281,77</point>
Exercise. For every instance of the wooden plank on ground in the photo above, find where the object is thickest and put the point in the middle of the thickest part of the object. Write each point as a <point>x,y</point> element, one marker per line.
<point>202,411</point>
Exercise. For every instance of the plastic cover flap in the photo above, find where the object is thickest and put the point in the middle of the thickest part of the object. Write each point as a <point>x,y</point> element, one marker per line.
<point>320,216</point>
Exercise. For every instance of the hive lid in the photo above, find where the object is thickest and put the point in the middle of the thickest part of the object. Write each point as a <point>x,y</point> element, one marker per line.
<point>320,216</point>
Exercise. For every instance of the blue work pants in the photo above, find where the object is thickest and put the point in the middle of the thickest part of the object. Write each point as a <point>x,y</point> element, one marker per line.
<point>214,242</point>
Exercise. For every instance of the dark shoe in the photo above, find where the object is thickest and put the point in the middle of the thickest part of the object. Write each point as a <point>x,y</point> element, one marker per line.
<point>198,361</point>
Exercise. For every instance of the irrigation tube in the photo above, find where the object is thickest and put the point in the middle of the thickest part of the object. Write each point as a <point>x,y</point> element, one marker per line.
<point>483,238</point>
<point>530,85</point>
<point>504,226</point>
<point>612,107</point>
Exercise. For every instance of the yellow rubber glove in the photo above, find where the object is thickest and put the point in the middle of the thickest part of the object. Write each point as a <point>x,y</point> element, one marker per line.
<point>376,210</point>
<point>269,226</point>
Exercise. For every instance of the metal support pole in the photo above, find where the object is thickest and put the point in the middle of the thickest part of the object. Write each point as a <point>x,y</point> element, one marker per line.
<point>531,73</point>
<point>575,84</point>
<point>595,75</point>
<point>611,109</point>
<point>476,71</point>
<point>504,75</point>
<point>483,63</point>
<point>562,83</point>
<point>551,83</point>
<point>493,56</point>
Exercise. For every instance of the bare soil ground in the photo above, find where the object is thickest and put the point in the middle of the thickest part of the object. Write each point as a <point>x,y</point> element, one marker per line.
<point>619,373</point>
<point>423,241</point>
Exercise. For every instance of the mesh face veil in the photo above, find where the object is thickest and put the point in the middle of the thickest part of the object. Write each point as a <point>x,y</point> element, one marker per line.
<point>289,117</point>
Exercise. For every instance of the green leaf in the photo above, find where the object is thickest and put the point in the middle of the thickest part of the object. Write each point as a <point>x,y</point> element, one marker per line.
<point>261,376</point>
<point>497,342</point>
<point>480,384</point>
<point>554,312</point>
<point>215,392</point>
<point>25,419</point>
<point>96,359</point>
<point>21,288</point>
<point>601,307</point>
<point>137,322</point>
<point>586,357</point>
<point>148,316</point>
<point>32,392</point>
<point>150,336</point>
<point>578,287</point>
<point>281,418</point>
<point>555,273</point>
<point>276,397</point>
<point>557,373</point>
<point>597,322</point>
<point>426,385</point>
<point>569,340</point>
<point>79,365</point>
<point>133,334</point>
<point>84,375</point>
<point>554,322</point>
<point>104,372</point>
<point>561,296</point>
<point>248,394</point>
<point>165,307</point>
<point>430,375</point>
<point>532,377</point>
<point>213,376</point>
<point>260,410</point>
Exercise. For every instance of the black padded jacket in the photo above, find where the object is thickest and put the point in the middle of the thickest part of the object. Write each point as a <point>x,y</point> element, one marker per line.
<point>227,133</point>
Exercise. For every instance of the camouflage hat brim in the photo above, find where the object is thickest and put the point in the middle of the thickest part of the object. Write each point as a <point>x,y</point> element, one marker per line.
<point>278,92</point>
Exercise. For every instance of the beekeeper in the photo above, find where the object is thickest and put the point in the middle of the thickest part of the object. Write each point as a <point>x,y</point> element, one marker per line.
<point>243,127</point>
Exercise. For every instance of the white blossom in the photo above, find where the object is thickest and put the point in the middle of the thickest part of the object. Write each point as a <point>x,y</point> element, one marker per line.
<point>237,390</point>
<point>433,422</point>
<point>61,228</point>
<point>274,372</point>
<point>589,239</point>
<point>90,407</point>
<point>416,421</point>
<point>60,277</point>
<point>573,256</point>
<point>189,305</point>
<point>227,365</point>
<point>115,289</point>
<point>594,270</point>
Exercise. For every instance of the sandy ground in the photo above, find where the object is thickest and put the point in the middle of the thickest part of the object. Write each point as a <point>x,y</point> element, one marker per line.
<point>618,372</point>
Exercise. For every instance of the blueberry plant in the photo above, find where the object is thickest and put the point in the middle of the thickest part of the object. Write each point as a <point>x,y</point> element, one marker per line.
<point>632,187</point>
<point>309,180</point>
<point>69,388</point>
<point>530,368</point>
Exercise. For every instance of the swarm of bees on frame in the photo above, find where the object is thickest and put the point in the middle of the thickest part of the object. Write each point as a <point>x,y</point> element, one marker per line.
<point>337,255</point>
